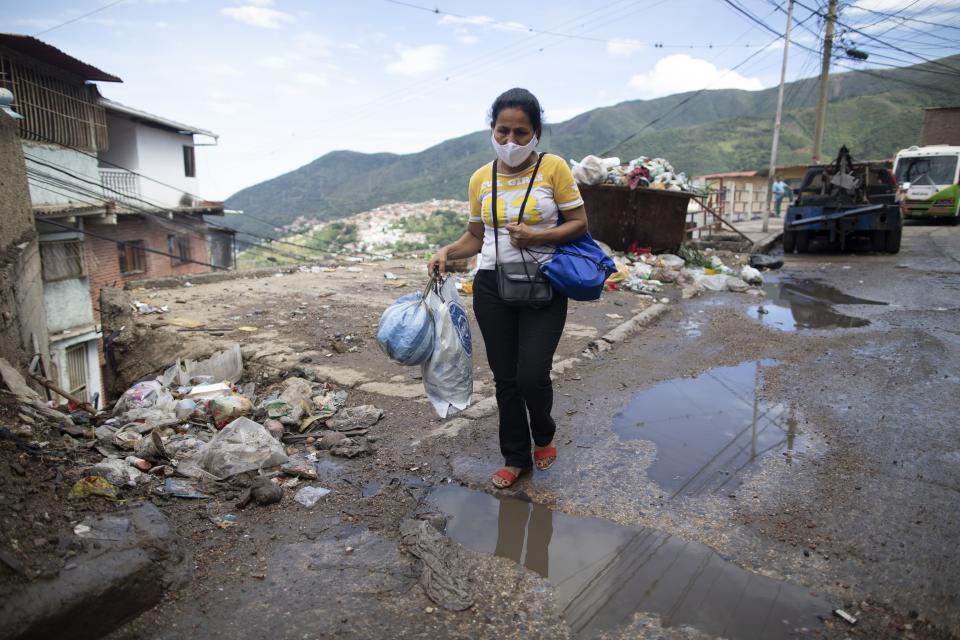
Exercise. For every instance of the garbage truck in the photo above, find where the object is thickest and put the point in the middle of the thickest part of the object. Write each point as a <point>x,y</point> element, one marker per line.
<point>841,202</point>
<point>929,182</point>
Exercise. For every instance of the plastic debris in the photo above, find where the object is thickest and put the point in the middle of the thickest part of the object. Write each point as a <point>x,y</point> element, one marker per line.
<point>118,472</point>
<point>243,445</point>
<point>222,366</point>
<point>227,409</point>
<point>750,275</point>
<point>845,616</point>
<point>181,489</point>
<point>93,486</point>
<point>762,261</point>
<point>209,391</point>
<point>365,415</point>
<point>309,496</point>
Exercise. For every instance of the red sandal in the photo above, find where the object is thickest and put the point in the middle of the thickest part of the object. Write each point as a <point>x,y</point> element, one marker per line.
<point>545,458</point>
<point>508,477</point>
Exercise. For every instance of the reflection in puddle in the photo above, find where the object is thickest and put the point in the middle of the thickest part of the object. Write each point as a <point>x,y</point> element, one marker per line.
<point>707,429</point>
<point>604,572</point>
<point>805,304</point>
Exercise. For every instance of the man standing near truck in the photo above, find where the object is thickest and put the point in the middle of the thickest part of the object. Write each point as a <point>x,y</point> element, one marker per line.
<point>779,191</point>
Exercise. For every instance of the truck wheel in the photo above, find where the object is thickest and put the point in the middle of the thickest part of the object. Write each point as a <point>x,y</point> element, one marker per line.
<point>893,240</point>
<point>878,241</point>
<point>789,241</point>
<point>803,241</point>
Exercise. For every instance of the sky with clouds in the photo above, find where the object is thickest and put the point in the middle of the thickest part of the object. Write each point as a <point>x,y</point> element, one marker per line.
<point>285,81</point>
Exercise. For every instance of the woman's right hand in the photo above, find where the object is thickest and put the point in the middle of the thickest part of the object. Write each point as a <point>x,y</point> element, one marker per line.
<point>438,262</point>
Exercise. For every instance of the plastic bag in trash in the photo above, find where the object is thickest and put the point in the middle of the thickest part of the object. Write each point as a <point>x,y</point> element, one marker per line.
<point>750,275</point>
<point>448,374</point>
<point>225,410</point>
<point>405,332</point>
<point>243,445</point>
<point>589,171</point>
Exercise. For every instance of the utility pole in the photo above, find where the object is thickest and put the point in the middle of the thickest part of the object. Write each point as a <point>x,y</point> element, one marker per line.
<point>824,80</point>
<point>776,123</point>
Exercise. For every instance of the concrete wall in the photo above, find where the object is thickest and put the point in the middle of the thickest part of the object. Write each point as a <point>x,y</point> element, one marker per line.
<point>22,312</point>
<point>81,165</point>
<point>68,305</point>
<point>122,133</point>
<point>941,126</point>
<point>160,154</point>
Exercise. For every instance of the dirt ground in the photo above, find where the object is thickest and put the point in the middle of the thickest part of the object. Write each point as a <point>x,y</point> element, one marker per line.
<point>852,505</point>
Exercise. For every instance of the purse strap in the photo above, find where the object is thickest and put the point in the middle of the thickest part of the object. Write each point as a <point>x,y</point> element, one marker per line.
<point>523,205</point>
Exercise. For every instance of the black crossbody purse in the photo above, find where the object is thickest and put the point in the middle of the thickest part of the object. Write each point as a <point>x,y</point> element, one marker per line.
<point>520,284</point>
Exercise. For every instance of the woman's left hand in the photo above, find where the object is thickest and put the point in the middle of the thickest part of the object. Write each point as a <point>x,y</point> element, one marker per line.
<point>522,236</point>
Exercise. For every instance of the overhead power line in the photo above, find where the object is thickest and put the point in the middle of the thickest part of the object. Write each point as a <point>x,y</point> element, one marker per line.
<point>80,17</point>
<point>903,18</point>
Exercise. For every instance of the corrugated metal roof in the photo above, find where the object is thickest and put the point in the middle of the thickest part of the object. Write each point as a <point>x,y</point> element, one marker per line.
<point>39,50</point>
<point>116,107</point>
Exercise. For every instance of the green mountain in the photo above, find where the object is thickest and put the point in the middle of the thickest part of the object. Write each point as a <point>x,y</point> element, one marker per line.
<point>873,112</point>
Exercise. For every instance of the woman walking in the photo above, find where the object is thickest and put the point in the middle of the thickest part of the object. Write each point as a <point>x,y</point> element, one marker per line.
<point>531,219</point>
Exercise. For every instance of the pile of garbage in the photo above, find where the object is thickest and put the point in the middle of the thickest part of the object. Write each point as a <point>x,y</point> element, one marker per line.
<point>695,272</point>
<point>197,424</point>
<point>652,173</point>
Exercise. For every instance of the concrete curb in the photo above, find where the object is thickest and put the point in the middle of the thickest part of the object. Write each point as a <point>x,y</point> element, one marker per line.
<point>765,244</point>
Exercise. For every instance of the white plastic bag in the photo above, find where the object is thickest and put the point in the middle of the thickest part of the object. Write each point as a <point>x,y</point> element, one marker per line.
<point>448,374</point>
<point>750,275</point>
<point>243,445</point>
<point>589,171</point>
<point>405,332</point>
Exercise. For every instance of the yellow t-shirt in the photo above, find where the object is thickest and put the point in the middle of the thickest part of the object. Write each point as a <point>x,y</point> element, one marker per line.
<point>554,190</point>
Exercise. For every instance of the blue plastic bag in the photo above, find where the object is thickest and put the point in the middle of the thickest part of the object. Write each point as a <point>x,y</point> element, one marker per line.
<point>406,332</point>
<point>579,268</point>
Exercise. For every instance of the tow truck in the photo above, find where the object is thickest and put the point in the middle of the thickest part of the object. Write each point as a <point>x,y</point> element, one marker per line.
<point>842,201</point>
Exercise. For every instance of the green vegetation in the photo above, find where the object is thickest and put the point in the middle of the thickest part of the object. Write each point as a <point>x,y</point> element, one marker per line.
<point>441,227</point>
<point>332,237</point>
<point>874,112</point>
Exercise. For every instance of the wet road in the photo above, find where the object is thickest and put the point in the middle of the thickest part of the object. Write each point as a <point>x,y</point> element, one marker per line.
<point>734,470</point>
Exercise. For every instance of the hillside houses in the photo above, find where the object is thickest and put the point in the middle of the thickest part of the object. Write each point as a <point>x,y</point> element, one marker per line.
<point>112,190</point>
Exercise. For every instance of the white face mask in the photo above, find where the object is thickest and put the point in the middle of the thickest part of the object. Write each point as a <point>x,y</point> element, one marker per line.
<point>513,154</point>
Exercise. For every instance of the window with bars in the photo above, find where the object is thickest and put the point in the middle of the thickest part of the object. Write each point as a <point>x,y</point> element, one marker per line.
<point>62,260</point>
<point>55,108</point>
<point>77,366</point>
<point>179,248</point>
<point>133,259</point>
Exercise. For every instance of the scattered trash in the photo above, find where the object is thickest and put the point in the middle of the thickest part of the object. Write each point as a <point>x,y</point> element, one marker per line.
<point>654,173</point>
<point>247,327</point>
<point>93,486</point>
<point>243,445</point>
<point>118,472</point>
<point>763,261</point>
<point>309,496</point>
<point>209,391</point>
<point>389,275</point>
<point>262,491</point>
<point>750,275</point>
<point>443,570</point>
<point>222,366</point>
<point>406,331</point>
<point>227,409</point>
<point>347,419</point>
<point>846,616</point>
<point>226,521</point>
<point>181,489</point>
<point>448,374</point>
<point>303,470</point>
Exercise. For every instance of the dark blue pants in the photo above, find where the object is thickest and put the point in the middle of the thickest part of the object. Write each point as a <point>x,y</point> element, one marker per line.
<point>520,343</point>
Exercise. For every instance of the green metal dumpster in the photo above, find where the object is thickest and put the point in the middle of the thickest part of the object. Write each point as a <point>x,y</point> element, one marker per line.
<point>620,216</point>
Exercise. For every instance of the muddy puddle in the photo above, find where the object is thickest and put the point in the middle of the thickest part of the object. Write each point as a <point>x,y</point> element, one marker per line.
<point>708,430</point>
<point>604,573</point>
<point>792,305</point>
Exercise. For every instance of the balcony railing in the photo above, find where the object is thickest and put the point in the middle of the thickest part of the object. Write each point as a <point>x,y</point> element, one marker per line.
<point>121,186</point>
